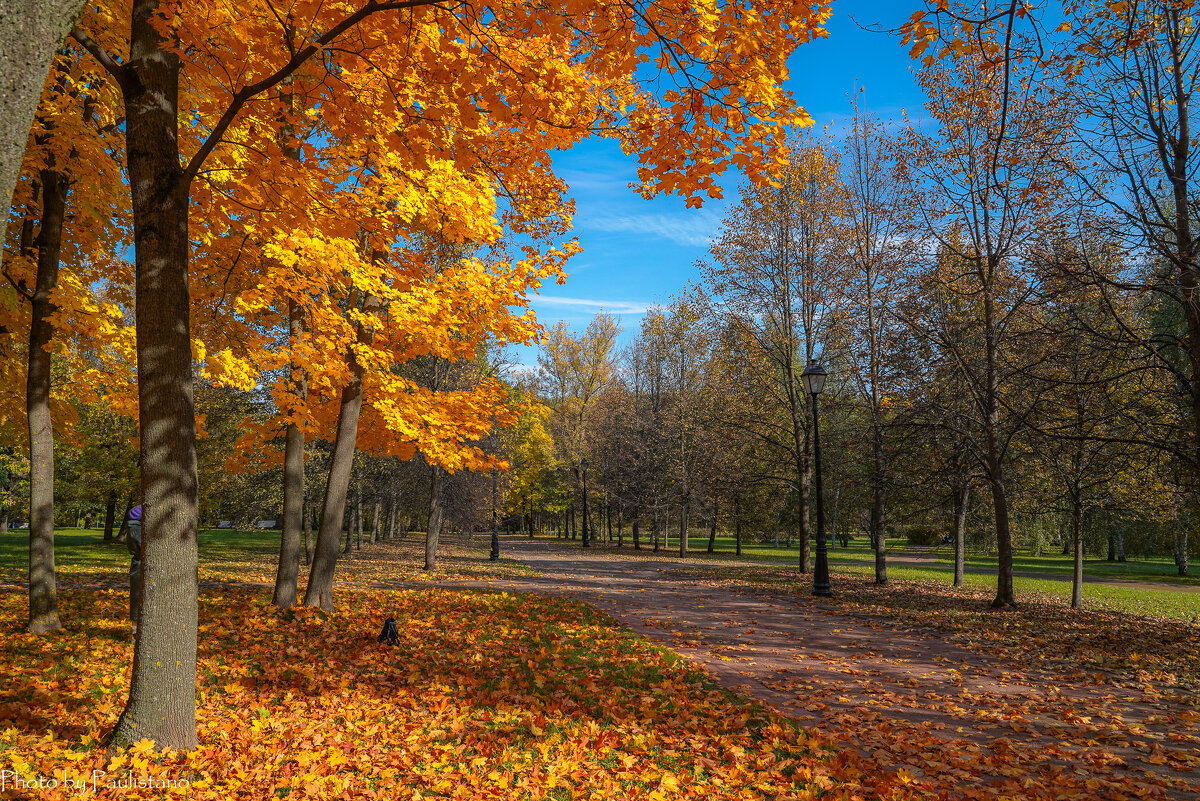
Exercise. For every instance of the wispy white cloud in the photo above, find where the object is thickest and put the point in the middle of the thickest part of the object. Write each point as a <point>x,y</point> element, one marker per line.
<point>614,306</point>
<point>691,229</point>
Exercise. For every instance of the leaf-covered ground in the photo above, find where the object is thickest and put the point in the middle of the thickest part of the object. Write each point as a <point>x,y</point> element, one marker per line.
<point>923,681</point>
<point>487,696</point>
<point>911,691</point>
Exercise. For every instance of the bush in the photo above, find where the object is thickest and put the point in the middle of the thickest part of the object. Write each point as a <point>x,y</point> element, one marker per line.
<point>924,535</point>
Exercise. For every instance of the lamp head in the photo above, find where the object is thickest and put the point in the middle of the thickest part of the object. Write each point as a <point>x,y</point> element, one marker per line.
<point>814,377</point>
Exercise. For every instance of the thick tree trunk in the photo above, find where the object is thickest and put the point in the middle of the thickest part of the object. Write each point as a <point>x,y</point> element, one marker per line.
<point>287,575</point>
<point>31,31</point>
<point>1077,543</point>
<point>162,694</point>
<point>319,592</point>
<point>43,596</point>
<point>435,518</point>
<point>375,522</point>
<point>1181,552</point>
<point>1112,548</point>
<point>110,512</point>
<point>962,501</point>
<point>1120,538</point>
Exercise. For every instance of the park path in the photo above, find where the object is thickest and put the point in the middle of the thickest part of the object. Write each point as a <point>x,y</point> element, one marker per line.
<point>952,717</point>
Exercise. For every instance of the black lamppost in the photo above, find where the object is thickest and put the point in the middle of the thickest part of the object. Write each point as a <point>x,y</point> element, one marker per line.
<point>586,542</point>
<point>495,554</point>
<point>814,381</point>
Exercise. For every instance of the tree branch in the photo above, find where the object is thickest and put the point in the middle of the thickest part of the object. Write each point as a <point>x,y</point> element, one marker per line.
<point>246,93</point>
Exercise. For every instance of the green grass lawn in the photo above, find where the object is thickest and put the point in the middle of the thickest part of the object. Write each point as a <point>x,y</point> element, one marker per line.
<point>1160,569</point>
<point>81,553</point>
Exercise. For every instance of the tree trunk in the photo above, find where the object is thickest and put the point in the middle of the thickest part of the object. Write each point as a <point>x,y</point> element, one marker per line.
<point>1181,552</point>
<point>878,524</point>
<point>654,531</point>
<point>712,529</point>
<point>307,516</point>
<point>1112,548</point>
<point>162,693</point>
<point>43,596</point>
<point>1077,542</point>
<point>1119,536</point>
<point>358,517</point>
<point>435,518</point>
<point>737,528</point>
<point>287,575</point>
<point>333,508</point>
<point>962,501</point>
<point>375,522</point>
<point>620,527</point>
<point>805,505</point>
<point>31,32</point>
<point>110,511</point>
<point>683,533</point>
<point>637,535</point>
<point>1004,573</point>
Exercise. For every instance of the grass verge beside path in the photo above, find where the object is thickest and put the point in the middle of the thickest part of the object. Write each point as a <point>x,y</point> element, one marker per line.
<point>81,556</point>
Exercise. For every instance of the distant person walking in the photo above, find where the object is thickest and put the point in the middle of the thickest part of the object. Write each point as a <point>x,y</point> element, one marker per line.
<point>133,542</point>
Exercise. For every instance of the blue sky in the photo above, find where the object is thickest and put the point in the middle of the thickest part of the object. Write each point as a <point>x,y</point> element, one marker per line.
<point>638,252</point>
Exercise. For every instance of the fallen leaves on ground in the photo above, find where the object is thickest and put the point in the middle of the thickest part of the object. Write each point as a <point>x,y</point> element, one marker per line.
<point>486,696</point>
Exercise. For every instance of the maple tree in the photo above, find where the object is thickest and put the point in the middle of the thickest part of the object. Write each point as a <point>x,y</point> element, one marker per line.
<point>233,57</point>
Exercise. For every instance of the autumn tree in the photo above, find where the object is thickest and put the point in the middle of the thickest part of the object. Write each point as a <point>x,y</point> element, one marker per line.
<point>773,274</point>
<point>984,186</point>
<point>876,248</point>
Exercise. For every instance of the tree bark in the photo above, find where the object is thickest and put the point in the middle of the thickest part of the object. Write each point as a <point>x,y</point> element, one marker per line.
<point>307,515</point>
<point>162,694</point>
<point>712,529</point>
<point>637,536</point>
<point>683,534</point>
<point>435,518</point>
<point>878,523</point>
<point>110,511</point>
<point>375,522</point>
<point>654,531</point>
<point>1077,543</point>
<point>962,501</point>
<point>31,31</point>
<point>43,596</point>
<point>333,508</point>
<point>358,517</point>
<point>1181,552</point>
<point>737,528</point>
<point>1004,573</point>
<point>288,574</point>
